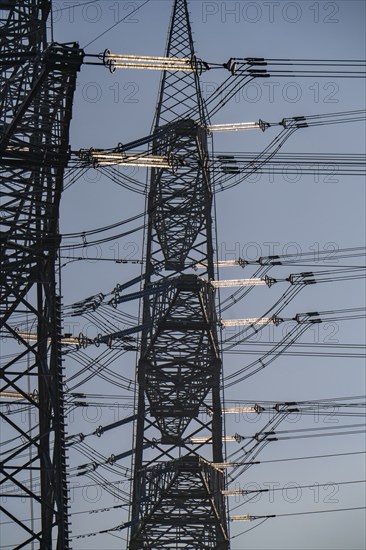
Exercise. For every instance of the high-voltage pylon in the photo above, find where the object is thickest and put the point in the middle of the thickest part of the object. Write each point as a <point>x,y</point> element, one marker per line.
<point>37,85</point>
<point>177,494</point>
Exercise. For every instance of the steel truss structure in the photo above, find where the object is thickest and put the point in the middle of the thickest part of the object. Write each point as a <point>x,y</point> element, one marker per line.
<point>37,86</point>
<point>177,494</point>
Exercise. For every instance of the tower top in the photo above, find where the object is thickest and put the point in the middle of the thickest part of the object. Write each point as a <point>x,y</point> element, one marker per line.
<point>180,94</point>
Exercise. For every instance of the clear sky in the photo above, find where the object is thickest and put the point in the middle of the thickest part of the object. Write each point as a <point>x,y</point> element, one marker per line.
<point>253,219</point>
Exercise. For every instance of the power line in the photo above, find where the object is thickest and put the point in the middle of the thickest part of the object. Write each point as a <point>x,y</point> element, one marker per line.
<point>115,25</point>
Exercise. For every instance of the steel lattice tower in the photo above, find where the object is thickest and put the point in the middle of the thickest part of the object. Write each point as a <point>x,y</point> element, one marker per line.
<point>37,86</point>
<point>177,493</point>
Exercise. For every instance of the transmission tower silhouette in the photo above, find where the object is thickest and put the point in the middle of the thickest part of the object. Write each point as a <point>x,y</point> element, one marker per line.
<point>177,492</point>
<point>178,478</point>
<point>37,86</point>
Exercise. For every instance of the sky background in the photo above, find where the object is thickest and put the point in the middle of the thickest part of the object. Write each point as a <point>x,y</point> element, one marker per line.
<point>253,219</point>
<point>256,218</point>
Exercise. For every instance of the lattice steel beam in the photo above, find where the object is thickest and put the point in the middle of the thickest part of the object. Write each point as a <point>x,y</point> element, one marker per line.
<point>177,493</point>
<point>37,83</point>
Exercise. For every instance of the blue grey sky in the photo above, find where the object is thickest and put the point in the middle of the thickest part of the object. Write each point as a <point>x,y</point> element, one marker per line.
<point>256,218</point>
